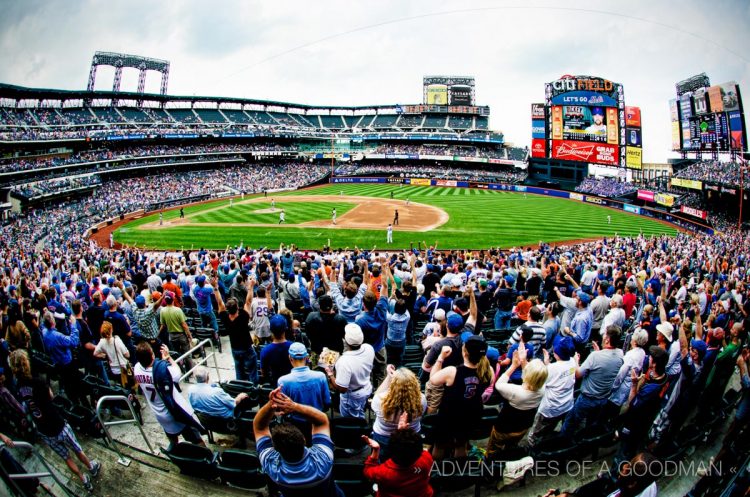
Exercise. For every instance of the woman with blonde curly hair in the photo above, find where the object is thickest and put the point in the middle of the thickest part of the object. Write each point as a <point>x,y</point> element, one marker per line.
<point>18,336</point>
<point>399,396</point>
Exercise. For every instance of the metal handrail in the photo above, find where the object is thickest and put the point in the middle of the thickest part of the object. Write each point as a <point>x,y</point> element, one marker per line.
<point>121,459</point>
<point>20,444</point>
<point>189,353</point>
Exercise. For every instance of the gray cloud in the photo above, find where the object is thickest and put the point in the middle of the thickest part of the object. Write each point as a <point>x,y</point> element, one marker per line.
<point>249,48</point>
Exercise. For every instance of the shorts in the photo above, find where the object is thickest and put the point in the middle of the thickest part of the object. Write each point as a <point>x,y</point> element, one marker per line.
<point>61,442</point>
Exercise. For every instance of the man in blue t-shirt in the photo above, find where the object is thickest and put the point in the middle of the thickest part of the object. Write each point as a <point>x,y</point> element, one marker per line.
<point>297,470</point>
<point>202,295</point>
<point>274,357</point>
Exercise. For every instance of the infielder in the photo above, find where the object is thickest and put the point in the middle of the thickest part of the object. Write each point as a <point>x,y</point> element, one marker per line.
<point>395,218</point>
<point>389,234</point>
<point>333,215</point>
<point>281,216</point>
<point>273,205</point>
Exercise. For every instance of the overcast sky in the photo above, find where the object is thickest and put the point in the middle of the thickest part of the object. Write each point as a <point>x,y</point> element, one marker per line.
<point>367,52</point>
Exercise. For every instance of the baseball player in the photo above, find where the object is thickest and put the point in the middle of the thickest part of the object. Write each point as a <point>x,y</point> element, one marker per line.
<point>609,219</point>
<point>161,218</point>
<point>389,234</point>
<point>111,241</point>
<point>281,216</point>
<point>273,204</point>
<point>407,201</point>
<point>333,215</point>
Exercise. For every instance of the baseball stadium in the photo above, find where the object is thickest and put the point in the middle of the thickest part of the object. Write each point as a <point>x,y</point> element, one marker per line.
<point>227,295</point>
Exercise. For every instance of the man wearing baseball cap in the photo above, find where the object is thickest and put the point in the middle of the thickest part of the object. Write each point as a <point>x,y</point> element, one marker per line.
<point>274,360</point>
<point>304,386</point>
<point>173,321</point>
<point>583,320</point>
<point>353,370</point>
<point>453,340</point>
<point>325,328</point>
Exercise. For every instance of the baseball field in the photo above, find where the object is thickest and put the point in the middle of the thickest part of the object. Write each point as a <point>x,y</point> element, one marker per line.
<point>454,217</point>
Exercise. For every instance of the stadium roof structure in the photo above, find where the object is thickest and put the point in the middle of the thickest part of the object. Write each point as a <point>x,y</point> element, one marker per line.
<point>15,92</point>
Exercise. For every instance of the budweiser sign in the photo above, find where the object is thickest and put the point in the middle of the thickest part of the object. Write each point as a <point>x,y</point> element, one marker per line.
<point>599,153</point>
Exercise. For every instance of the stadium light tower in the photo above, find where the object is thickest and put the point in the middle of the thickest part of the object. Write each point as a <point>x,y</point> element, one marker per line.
<point>120,61</point>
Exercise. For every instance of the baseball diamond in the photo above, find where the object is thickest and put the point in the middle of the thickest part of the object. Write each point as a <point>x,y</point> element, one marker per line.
<point>457,217</point>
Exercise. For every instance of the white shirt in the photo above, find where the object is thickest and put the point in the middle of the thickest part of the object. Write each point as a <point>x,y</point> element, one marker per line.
<point>145,378</point>
<point>353,369</point>
<point>615,316</point>
<point>115,350</point>
<point>558,390</point>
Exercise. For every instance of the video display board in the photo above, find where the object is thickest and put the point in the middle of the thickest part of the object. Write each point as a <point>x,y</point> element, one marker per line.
<point>449,90</point>
<point>707,117</point>
<point>586,120</point>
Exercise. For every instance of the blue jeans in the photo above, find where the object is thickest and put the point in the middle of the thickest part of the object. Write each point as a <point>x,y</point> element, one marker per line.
<point>353,404</point>
<point>502,319</point>
<point>584,410</point>
<point>395,353</point>
<point>209,321</point>
<point>246,364</point>
<point>384,442</point>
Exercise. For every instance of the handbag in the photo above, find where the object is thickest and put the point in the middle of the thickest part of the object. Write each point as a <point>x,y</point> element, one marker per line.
<point>127,378</point>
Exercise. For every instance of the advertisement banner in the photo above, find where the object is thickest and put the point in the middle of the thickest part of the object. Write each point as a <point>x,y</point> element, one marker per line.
<point>584,98</point>
<point>688,183</point>
<point>686,106</point>
<point>694,212</point>
<point>557,123</point>
<point>730,191</point>
<point>674,112</point>
<point>631,208</point>
<point>419,181</point>
<point>595,200</point>
<point>537,112</point>
<point>445,182</point>
<point>730,98</point>
<point>437,95</point>
<point>714,99</point>
<point>736,130</point>
<point>633,137</point>
<point>612,134</point>
<point>634,157</point>
<point>459,158</point>
<point>358,180</point>
<point>599,153</point>
<point>687,142</point>
<point>576,196</point>
<point>646,195</point>
<point>700,104</point>
<point>675,135</point>
<point>538,148</point>
<point>632,117</point>
<point>712,187</point>
<point>664,199</point>
<point>538,129</point>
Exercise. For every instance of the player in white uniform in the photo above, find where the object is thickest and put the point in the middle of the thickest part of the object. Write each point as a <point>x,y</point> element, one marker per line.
<point>273,205</point>
<point>281,216</point>
<point>389,234</point>
<point>145,378</point>
<point>609,219</point>
<point>333,215</point>
<point>111,241</point>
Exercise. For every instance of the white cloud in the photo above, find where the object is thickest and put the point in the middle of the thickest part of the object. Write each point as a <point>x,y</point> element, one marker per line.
<point>247,49</point>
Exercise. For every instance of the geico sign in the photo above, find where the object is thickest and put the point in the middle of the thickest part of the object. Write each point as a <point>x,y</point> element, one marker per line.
<point>595,200</point>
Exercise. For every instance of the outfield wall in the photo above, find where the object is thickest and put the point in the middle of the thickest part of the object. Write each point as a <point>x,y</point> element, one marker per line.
<point>679,221</point>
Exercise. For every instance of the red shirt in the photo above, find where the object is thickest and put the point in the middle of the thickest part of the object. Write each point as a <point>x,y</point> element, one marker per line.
<point>396,481</point>
<point>628,302</point>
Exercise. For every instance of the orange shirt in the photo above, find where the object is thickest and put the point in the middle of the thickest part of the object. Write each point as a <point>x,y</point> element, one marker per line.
<point>523,308</point>
<point>171,287</point>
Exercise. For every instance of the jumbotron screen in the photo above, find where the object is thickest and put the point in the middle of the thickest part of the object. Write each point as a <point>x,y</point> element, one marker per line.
<point>585,121</point>
<point>448,90</point>
<point>707,117</point>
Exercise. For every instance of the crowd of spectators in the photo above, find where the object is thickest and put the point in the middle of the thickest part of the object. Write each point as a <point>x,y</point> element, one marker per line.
<point>437,172</point>
<point>652,327</point>
<point>62,226</point>
<point>106,155</point>
<point>720,172</point>
<point>606,187</point>
<point>47,187</point>
<point>489,152</point>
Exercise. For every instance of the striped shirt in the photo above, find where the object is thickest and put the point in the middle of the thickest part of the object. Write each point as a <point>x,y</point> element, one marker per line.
<point>310,476</point>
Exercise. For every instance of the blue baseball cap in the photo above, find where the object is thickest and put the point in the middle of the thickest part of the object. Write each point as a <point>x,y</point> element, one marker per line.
<point>564,347</point>
<point>200,279</point>
<point>585,297</point>
<point>455,322</point>
<point>297,351</point>
<point>140,301</point>
<point>278,323</point>
<point>510,279</point>
<point>700,346</point>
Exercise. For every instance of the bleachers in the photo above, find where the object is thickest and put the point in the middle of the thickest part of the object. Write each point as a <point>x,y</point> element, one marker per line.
<point>332,122</point>
<point>481,122</point>
<point>261,117</point>
<point>108,115</point>
<point>185,116</point>
<point>434,122</point>
<point>409,122</point>
<point>135,115</point>
<point>384,121</point>
<point>460,122</point>
<point>210,116</point>
<point>237,116</point>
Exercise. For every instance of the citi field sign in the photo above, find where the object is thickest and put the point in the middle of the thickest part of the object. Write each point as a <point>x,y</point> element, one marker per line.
<point>568,83</point>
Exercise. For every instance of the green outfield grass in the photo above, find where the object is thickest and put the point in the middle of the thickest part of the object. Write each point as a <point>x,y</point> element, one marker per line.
<point>478,219</point>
